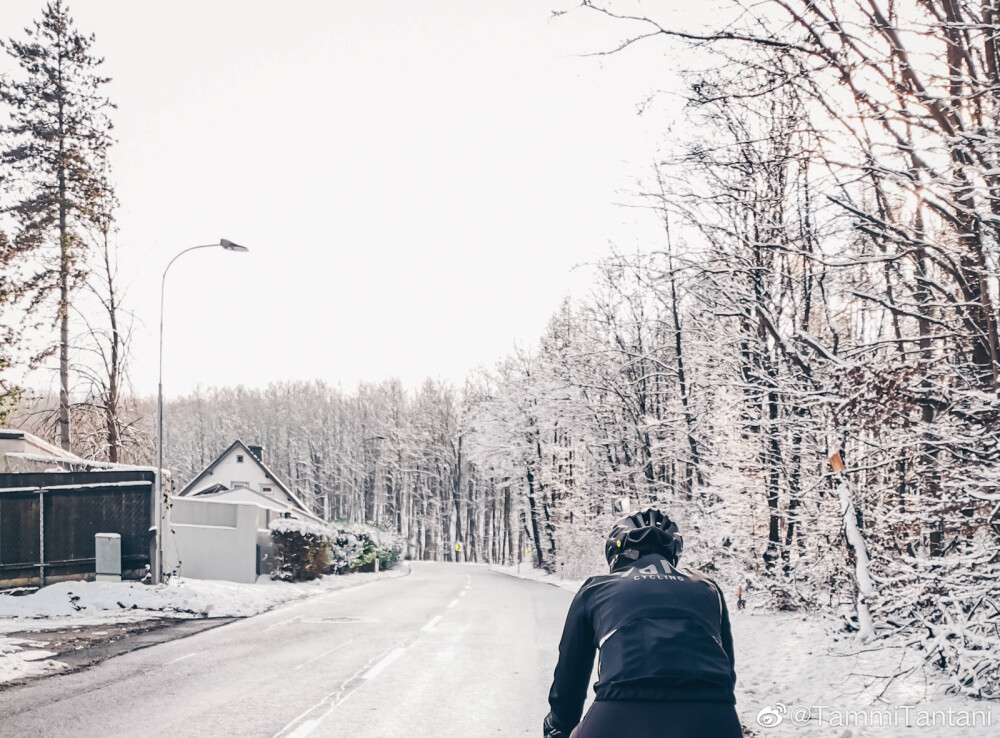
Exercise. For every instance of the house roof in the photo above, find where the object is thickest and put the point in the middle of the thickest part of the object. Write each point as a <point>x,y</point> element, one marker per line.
<point>246,495</point>
<point>13,434</point>
<point>46,453</point>
<point>271,475</point>
<point>213,490</point>
<point>243,494</point>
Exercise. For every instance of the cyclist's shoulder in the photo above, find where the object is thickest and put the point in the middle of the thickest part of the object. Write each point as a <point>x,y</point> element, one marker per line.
<point>695,574</point>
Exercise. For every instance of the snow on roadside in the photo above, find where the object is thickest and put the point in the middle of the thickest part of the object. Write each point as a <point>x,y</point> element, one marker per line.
<point>820,680</point>
<point>20,658</point>
<point>538,575</point>
<point>94,602</point>
<point>71,604</point>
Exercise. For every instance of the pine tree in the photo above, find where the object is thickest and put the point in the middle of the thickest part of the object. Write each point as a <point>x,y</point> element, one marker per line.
<point>53,148</point>
<point>9,393</point>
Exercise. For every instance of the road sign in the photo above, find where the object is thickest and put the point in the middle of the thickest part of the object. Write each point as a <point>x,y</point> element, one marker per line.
<point>458,547</point>
<point>837,463</point>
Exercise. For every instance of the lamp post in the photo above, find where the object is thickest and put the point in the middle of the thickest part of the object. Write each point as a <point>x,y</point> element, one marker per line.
<point>228,246</point>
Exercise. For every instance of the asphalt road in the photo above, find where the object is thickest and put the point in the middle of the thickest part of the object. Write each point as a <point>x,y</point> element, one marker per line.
<point>449,651</point>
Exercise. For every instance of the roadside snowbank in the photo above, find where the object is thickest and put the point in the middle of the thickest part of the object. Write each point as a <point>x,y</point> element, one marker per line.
<point>73,604</point>
<point>822,681</point>
<point>800,675</point>
<point>538,575</point>
<point>118,601</point>
<point>20,658</point>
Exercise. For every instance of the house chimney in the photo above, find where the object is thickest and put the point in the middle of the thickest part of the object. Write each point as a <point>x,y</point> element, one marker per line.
<point>257,451</point>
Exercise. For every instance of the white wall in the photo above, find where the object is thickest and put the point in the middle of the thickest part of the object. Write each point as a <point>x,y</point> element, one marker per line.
<point>212,540</point>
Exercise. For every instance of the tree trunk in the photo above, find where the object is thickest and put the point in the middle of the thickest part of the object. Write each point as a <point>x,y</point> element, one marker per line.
<point>64,263</point>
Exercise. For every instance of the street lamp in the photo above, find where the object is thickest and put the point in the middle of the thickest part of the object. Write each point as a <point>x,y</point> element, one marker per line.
<point>228,246</point>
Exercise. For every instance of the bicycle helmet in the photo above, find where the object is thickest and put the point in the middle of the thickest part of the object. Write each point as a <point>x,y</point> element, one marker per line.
<point>640,534</point>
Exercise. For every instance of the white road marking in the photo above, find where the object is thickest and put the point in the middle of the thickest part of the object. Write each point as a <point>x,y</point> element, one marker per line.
<point>280,622</point>
<point>453,603</point>
<point>462,593</point>
<point>325,653</point>
<point>181,658</point>
<point>381,665</point>
<point>306,728</point>
<point>333,699</point>
<point>336,698</point>
<point>431,623</point>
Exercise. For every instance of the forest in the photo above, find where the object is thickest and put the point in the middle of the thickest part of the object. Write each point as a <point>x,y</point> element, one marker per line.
<point>802,371</point>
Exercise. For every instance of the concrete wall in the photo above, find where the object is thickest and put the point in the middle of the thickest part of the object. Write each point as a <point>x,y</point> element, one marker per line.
<point>212,540</point>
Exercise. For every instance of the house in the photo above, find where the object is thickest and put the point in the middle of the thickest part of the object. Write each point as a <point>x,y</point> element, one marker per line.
<point>219,522</point>
<point>239,474</point>
<point>20,451</point>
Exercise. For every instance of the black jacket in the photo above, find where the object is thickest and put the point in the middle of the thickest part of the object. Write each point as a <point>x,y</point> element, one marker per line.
<point>662,633</point>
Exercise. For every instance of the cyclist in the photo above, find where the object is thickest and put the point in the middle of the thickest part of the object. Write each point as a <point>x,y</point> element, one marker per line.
<point>664,645</point>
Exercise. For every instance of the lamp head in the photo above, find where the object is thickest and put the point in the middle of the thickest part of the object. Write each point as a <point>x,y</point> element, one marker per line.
<point>230,246</point>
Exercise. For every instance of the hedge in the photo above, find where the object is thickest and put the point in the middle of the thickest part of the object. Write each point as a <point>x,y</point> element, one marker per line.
<point>302,550</point>
<point>305,550</point>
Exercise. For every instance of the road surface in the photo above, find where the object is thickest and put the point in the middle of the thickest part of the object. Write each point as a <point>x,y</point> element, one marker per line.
<point>449,651</point>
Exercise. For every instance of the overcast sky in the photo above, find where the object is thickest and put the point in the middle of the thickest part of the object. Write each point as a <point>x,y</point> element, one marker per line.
<point>415,180</point>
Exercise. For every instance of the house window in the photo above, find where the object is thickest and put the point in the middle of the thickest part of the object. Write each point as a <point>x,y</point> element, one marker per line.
<point>240,484</point>
<point>239,458</point>
<point>265,489</point>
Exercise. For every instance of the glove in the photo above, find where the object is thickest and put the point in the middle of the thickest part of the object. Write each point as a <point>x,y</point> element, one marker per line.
<point>551,731</point>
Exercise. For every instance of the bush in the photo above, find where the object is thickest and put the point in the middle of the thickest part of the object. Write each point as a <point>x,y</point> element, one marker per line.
<point>302,551</point>
<point>305,551</point>
<point>347,547</point>
<point>357,547</point>
<point>388,547</point>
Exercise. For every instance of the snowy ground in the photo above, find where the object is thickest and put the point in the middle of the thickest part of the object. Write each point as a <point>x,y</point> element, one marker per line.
<point>69,605</point>
<point>802,675</point>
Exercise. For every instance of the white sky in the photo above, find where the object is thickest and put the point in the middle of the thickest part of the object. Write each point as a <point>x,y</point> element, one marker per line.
<point>415,180</point>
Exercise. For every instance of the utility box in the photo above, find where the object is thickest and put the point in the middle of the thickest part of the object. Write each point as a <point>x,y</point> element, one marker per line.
<point>108,552</point>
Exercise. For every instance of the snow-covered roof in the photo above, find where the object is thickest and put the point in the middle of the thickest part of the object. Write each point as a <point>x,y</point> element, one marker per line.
<point>244,494</point>
<point>72,460</point>
<point>13,434</point>
<point>221,493</point>
<point>186,491</point>
<point>21,446</point>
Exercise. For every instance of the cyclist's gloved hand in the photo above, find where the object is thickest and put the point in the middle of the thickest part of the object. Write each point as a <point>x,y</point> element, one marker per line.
<point>551,731</point>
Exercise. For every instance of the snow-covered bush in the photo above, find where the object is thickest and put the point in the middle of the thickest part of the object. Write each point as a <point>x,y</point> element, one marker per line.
<point>302,550</point>
<point>377,544</point>
<point>346,546</point>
